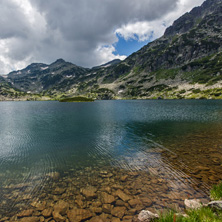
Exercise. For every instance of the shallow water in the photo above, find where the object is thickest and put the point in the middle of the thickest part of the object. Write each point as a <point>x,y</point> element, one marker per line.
<point>170,150</point>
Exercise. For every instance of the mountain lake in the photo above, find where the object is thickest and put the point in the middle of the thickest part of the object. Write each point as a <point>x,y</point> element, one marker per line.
<point>134,154</point>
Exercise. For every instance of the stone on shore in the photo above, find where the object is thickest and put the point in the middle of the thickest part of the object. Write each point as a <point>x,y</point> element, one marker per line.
<point>215,205</point>
<point>146,216</point>
<point>192,204</point>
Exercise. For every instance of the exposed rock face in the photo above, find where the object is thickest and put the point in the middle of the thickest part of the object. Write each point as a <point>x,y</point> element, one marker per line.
<point>189,20</point>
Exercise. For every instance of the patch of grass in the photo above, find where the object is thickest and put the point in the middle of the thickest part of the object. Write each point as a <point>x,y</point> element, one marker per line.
<point>204,214</point>
<point>76,99</point>
<point>216,192</point>
<point>170,217</point>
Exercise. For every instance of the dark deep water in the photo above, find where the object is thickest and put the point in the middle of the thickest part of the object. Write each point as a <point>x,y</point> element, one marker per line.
<point>177,142</point>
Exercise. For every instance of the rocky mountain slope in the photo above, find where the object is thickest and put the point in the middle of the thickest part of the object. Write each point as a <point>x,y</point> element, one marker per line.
<point>186,62</point>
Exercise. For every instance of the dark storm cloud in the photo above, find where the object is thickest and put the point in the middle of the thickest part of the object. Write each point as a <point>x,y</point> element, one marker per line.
<point>94,20</point>
<point>12,21</point>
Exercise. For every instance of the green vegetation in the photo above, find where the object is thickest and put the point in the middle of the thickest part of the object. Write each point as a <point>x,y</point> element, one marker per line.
<point>205,214</point>
<point>76,99</point>
<point>216,192</point>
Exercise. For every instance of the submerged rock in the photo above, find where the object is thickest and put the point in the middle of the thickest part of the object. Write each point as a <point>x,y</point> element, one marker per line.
<point>123,195</point>
<point>47,212</point>
<point>54,175</point>
<point>97,219</point>
<point>77,215</point>
<point>106,198</point>
<point>61,207</point>
<point>134,202</point>
<point>30,219</point>
<point>25,213</point>
<point>118,212</point>
<point>58,217</point>
<point>89,192</point>
<point>107,208</point>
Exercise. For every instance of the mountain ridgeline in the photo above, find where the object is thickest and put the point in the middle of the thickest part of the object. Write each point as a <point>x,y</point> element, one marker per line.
<point>186,62</point>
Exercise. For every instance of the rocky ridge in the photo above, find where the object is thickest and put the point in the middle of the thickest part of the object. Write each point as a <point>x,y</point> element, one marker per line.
<point>186,62</point>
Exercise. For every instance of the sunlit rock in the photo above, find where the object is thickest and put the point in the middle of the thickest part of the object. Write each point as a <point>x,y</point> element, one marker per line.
<point>192,204</point>
<point>146,216</point>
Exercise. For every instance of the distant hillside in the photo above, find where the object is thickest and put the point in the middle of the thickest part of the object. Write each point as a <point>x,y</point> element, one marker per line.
<point>186,62</point>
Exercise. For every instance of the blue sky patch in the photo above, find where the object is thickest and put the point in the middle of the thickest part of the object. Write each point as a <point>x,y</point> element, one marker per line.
<point>127,47</point>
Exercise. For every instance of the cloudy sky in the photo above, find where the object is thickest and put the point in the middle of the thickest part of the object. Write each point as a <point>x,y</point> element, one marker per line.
<point>84,32</point>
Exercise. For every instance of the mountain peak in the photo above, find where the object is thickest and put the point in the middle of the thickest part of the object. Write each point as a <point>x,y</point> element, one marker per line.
<point>190,19</point>
<point>59,61</point>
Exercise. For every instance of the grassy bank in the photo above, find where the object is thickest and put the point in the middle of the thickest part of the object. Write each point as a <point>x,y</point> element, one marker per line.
<point>76,99</point>
<point>204,214</point>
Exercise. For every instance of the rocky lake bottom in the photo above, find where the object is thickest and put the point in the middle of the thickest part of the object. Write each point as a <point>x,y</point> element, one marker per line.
<point>111,193</point>
<point>106,161</point>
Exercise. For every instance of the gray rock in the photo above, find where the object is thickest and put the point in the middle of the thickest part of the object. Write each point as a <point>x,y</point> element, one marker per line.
<point>192,204</point>
<point>216,205</point>
<point>146,216</point>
